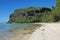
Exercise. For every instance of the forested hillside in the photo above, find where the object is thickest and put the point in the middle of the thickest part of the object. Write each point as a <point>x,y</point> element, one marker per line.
<point>36,14</point>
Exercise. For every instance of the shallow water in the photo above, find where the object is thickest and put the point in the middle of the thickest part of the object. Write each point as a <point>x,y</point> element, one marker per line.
<point>7,30</point>
<point>6,27</point>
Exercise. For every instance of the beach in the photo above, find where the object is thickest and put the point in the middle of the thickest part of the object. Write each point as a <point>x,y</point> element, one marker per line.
<point>48,31</point>
<point>17,31</point>
<point>44,31</point>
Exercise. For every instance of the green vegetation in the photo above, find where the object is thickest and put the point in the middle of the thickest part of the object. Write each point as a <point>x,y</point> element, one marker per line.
<point>29,15</point>
<point>36,14</point>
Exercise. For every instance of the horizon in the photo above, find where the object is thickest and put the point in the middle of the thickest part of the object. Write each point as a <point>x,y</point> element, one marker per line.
<point>7,7</point>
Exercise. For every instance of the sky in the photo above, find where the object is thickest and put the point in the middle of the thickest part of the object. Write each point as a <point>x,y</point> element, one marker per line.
<point>7,7</point>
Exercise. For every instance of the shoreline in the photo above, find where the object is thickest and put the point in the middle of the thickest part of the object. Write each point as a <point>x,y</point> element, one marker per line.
<point>48,31</point>
<point>26,32</point>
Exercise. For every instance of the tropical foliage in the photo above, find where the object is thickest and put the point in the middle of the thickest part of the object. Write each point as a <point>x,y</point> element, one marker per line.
<point>36,14</point>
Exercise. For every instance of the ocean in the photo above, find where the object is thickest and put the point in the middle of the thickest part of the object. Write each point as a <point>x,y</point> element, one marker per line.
<point>9,30</point>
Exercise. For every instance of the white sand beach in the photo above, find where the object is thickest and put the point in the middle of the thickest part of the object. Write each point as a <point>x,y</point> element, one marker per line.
<point>48,31</point>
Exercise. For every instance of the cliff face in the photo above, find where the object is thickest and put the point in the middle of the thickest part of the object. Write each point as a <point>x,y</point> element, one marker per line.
<point>28,15</point>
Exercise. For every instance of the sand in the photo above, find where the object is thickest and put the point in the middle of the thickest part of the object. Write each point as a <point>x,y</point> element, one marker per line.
<point>22,34</point>
<point>48,31</point>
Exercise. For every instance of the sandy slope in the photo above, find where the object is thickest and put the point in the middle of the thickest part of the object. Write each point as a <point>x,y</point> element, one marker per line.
<point>49,31</point>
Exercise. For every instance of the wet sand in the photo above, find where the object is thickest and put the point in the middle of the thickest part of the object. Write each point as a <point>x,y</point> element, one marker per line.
<point>46,31</point>
<point>19,33</point>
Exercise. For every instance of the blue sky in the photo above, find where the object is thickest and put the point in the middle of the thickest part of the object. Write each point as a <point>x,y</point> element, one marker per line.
<point>8,6</point>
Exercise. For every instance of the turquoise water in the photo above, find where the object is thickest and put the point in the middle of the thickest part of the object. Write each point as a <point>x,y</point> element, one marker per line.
<point>6,27</point>
<point>6,32</point>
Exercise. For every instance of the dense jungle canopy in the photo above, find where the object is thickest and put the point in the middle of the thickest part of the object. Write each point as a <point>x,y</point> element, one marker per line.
<point>36,14</point>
